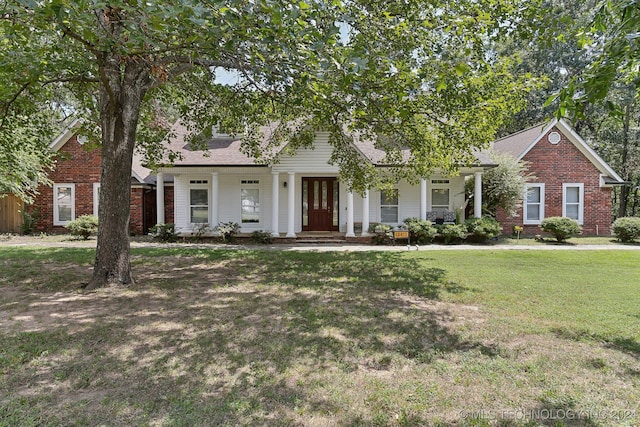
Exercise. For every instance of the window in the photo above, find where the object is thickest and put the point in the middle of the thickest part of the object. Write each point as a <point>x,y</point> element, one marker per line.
<point>96,197</point>
<point>573,201</point>
<point>199,205</point>
<point>250,202</point>
<point>64,203</point>
<point>440,200</point>
<point>533,206</point>
<point>389,206</point>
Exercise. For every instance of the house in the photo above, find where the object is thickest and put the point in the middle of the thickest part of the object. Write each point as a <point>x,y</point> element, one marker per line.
<point>302,192</point>
<point>76,186</point>
<point>571,179</point>
<point>299,193</point>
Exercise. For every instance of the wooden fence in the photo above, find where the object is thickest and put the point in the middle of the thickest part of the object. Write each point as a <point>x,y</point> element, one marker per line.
<point>10,213</point>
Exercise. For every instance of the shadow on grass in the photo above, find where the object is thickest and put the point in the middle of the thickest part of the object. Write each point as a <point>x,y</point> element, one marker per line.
<point>626,345</point>
<point>228,337</point>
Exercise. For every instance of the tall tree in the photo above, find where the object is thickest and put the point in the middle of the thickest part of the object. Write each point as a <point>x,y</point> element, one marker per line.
<point>417,74</point>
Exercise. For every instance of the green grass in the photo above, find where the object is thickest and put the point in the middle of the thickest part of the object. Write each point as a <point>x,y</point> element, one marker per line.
<point>256,337</point>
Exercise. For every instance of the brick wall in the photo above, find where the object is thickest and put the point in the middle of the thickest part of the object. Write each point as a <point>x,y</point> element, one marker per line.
<point>564,163</point>
<point>76,165</point>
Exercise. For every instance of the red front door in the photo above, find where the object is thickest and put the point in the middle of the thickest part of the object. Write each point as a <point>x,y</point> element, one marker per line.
<point>320,204</point>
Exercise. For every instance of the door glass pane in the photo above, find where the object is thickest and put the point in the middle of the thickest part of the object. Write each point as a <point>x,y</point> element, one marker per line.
<point>335,203</point>
<point>573,195</point>
<point>305,202</point>
<point>316,195</point>
<point>324,195</point>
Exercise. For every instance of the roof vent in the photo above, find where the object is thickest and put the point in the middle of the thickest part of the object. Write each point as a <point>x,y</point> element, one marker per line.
<point>554,138</point>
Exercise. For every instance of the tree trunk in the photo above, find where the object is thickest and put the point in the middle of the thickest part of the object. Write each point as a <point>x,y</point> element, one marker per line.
<point>121,93</point>
<point>624,190</point>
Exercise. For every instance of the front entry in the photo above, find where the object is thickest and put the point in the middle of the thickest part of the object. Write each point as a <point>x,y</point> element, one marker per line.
<point>320,204</point>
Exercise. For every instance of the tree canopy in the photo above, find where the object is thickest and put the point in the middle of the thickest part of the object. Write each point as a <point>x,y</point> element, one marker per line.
<point>417,74</point>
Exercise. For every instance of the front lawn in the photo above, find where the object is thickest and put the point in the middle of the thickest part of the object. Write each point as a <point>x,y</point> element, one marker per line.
<point>258,337</point>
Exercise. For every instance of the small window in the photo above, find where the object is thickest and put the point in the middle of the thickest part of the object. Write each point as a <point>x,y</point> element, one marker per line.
<point>439,181</point>
<point>533,206</point>
<point>250,182</point>
<point>389,206</point>
<point>64,203</point>
<point>573,201</point>
<point>250,200</point>
<point>199,181</point>
<point>199,205</point>
<point>440,200</point>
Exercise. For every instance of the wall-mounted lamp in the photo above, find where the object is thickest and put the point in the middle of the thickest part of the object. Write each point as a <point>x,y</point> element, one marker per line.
<point>284,184</point>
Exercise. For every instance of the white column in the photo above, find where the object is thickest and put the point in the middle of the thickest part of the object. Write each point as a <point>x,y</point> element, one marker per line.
<point>365,213</point>
<point>215,219</point>
<point>423,199</point>
<point>275,201</point>
<point>160,198</point>
<point>291,227</point>
<point>477,196</point>
<point>350,232</point>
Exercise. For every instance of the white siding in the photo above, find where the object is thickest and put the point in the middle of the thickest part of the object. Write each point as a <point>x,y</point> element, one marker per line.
<point>310,160</point>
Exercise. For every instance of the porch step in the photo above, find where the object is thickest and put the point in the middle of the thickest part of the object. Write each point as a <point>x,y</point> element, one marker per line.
<point>320,237</point>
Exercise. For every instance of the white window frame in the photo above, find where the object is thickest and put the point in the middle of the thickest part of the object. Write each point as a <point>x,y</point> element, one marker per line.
<point>524,202</point>
<point>397,206</point>
<point>251,184</point>
<point>56,212</point>
<point>200,184</point>
<point>580,203</point>
<point>96,197</point>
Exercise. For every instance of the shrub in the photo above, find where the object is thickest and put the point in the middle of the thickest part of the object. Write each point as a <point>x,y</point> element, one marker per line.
<point>562,228</point>
<point>380,233</point>
<point>228,230</point>
<point>421,232</point>
<point>626,229</point>
<point>261,237</point>
<point>199,230</point>
<point>29,220</point>
<point>482,229</point>
<point>164,232</point>
<point>83,226</point>
<point>452,232</point>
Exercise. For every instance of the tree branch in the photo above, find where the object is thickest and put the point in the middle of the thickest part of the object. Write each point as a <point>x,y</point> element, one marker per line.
<point>7,105</point>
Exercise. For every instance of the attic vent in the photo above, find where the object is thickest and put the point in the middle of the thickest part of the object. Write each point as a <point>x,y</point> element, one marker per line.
<point>554,138</point>
<point>439,181</point>
<point>198,181</point>
<point>250,181</point>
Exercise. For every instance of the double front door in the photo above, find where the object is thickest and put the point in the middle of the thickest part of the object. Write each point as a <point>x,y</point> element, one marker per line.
<point>320,204</point>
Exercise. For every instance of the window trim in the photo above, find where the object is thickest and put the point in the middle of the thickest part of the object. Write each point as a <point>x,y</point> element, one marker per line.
<point>56,211</point>
<point>397,205</point>
<point>527,186</point>
<point>580,203</point>
<point>204,185</point>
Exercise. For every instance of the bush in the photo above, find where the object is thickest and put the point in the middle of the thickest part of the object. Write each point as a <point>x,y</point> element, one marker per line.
<point>164,232</point>
<point>261,237</point>
<point>452,232</point>
<point>562,228</point>
<point>421,232</point>
<point>482,229</point>
<point>228,230</point>
<point>83,226</point>
<point>199,230</point>
<point>29,220</point>
<point>380,233</point>
<point>627,229</point>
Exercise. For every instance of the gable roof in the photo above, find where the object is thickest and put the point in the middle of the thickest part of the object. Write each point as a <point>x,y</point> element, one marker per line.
<point>139,173</point>
<point>520,143</point>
